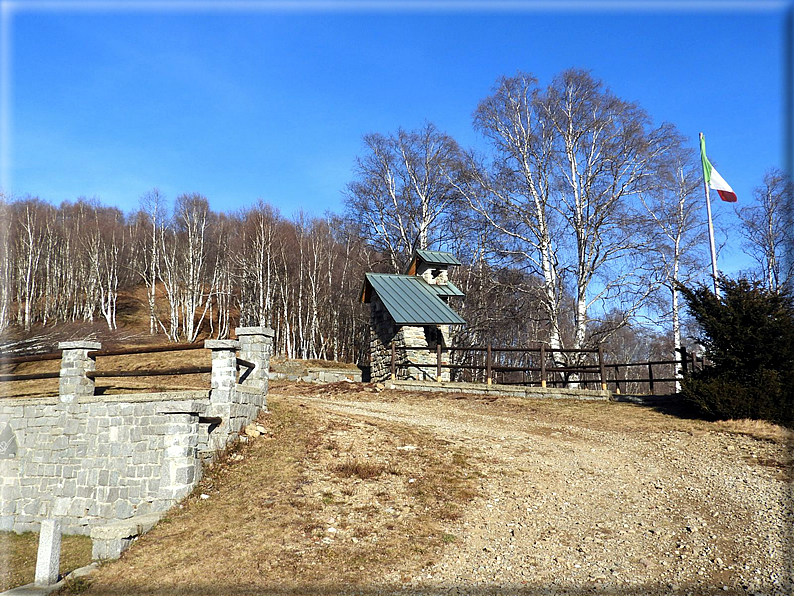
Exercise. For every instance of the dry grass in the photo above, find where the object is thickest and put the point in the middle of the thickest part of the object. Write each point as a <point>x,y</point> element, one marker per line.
<point>319,505</point>
<point>18,557</point>
<point>758,429</point>
<point>361,469</point>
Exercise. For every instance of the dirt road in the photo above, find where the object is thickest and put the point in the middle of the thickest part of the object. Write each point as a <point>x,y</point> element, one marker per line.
<point>597,498</point>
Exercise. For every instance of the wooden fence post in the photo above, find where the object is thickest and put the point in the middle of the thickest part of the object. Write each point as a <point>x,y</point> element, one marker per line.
<point>488,364</point>
<point>542,365</point>
<point>438,362</point>
<point>650,377</point>
<point>617,381</point>
<point>601,368</point>
<point>684,359</point>
<point>393,361</point>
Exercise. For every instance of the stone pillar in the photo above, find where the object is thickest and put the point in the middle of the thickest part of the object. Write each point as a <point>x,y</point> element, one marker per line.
<point>181,467</point>
<point>223,395</point>
<point>75,363</point>
<point>224,363</point>
<point>256,346</point>
<point>48,560</point>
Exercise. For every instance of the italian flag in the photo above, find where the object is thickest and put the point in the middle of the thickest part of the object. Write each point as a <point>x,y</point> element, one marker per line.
<point>713,180</point>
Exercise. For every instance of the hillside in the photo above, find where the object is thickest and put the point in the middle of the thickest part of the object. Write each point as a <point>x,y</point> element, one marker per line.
<point>133,331</point>
<point>356,490</point>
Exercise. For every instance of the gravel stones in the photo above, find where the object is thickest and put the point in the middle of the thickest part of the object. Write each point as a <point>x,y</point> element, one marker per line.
<point>568,508</point>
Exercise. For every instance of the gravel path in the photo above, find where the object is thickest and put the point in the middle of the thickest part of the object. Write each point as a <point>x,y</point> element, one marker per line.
<point>565,508</point>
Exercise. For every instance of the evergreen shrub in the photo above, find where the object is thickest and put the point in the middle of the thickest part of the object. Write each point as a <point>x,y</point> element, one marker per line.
<point>748,335</point>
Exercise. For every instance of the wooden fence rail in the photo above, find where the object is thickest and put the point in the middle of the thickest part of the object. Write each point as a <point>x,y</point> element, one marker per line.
<point>554,373</point>
<point>151,372</point>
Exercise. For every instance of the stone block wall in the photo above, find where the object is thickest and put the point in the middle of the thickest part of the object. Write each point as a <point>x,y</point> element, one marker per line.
<point>318,374</point>
<point>384,331</point>
<point>98,460</point>
<point>92,460</point>
<point>417,337</point>
<point>504,390</point>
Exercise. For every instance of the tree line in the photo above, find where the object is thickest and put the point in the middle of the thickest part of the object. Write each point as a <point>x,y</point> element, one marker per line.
<point>575,225</point>
<point>202,273</point>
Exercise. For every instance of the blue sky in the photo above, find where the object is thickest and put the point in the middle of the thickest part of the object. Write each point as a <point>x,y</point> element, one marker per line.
<point>270,100</point>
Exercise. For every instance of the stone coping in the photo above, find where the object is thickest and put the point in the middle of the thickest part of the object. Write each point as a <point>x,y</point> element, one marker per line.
<point>200,394</point>
<point>505,390</point>
<point>251,390</point>
<point>125,528</point>
<point>221,344</point>
<point>266,331</point>
<point>79,345</point>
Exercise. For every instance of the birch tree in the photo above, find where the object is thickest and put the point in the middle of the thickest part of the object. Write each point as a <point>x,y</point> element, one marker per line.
<point>31,232</point>
<point>150,220</point>
<point>196,273</point>
<point>766,231</point>
<point>676,227</point>
<point>109,267</point>
<point>6,264</point>
<point>402,196</point>
<point>605,151</point>
<point>513,194</point>
<point>566,160</point>
<point>256,261</point>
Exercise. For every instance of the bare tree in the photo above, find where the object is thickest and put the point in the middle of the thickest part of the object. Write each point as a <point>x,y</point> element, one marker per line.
<point>256,261</point>
<point>31,232</point>
<point>566,161</point>
<point>187,269</point>
<point>108,248</point>
<point>196,272</point>
<point>6,264</point>
<point>513,195</point>
<point>766,231</point>
<point>402,195</point>
<point>675,229</point>
<point>150,223</point>
<point>605,153</point>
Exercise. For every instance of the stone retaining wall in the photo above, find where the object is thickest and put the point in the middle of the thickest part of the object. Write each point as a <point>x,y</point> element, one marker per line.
<point>93,460</point>
<point>319,375</point>
<point>503,390</point>
<point>102,459</point>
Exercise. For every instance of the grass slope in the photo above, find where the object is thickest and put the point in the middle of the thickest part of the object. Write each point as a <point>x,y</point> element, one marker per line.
<point>315,506</point>
<point>18,557</point>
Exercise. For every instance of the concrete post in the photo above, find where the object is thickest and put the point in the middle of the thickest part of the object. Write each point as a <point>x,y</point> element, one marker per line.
<point>256,345</point>
<point>75,363</point>
<point>224,362</point>
<point>48,561</point>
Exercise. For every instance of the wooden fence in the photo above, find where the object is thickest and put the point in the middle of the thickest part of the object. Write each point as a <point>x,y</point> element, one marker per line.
<point>151,372</point>
<point>556,368</point>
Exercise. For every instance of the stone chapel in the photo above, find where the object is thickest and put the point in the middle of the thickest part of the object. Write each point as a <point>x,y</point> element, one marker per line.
<point>412,312</point>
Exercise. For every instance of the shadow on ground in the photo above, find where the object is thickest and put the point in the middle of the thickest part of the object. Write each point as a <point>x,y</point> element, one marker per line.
<point>672,404</point>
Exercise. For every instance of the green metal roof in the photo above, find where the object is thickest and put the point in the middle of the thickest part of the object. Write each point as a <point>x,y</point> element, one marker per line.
<point>437,257</point>
<point>449,289</point>
<point>410,300</point>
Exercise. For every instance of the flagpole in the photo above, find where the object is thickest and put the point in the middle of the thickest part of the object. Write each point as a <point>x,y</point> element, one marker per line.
<point>711,233</point>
